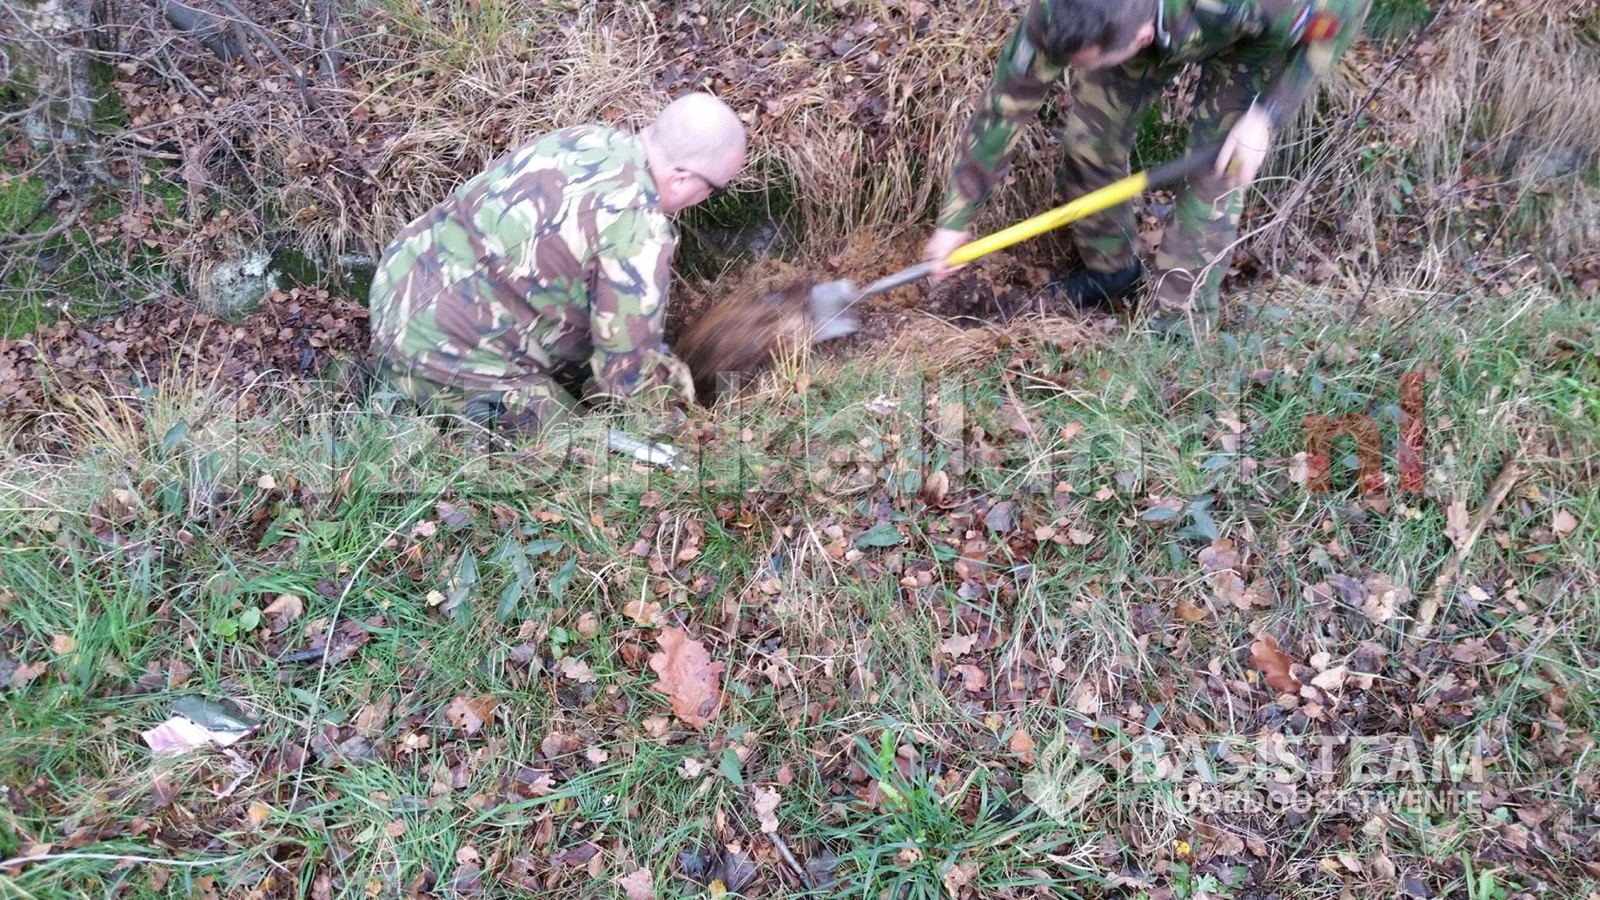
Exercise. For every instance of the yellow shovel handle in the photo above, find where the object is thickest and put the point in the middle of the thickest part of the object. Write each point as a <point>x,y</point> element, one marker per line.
<point>1099,201</point>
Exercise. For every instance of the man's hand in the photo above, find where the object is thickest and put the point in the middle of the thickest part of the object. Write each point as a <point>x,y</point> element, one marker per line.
<point>942,244</point>
<point>1246,148</point>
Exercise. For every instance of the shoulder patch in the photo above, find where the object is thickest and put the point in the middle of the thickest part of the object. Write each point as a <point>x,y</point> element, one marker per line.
<point>1314,27</point>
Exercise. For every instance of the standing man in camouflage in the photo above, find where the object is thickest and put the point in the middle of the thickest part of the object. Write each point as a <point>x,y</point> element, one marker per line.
<point>1259,60</point>
<point>549,269</point>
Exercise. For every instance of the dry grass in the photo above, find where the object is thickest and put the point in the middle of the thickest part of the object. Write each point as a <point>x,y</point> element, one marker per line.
<point>853,170</point>
<point>454,109</point>
<point>1474,145</point>
<point>850,168</point>
<point>936,343</point>
<point>853,129</point>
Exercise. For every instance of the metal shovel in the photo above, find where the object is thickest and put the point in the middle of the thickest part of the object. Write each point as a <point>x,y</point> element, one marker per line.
<point>1087,205</point>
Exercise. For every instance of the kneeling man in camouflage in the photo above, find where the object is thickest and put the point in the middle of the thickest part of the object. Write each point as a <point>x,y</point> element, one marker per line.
<point>548,273</point>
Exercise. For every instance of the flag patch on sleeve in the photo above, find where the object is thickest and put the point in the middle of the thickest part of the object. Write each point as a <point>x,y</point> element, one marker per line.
<point>1314,26</point>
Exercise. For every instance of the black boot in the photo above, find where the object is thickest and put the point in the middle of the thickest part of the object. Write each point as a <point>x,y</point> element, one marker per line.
<point>1088,289</point>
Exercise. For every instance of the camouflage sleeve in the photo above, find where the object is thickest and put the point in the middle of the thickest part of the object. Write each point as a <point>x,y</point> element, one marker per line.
<point>1022,79</point>
<point>1320,31</point>
<point>627,318</point>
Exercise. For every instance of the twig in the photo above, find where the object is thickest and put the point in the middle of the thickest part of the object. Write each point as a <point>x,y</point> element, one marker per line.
<point>242,35</point>
<point>1498,491</point>
<point>117,857</point>
<point>794,864</point>
<point>272,47</point>
<point>66,220</point>
<point>329,38</point>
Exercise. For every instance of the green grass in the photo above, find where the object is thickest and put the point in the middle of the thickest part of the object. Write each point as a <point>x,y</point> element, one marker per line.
<point>76,269</point>
<point>1395,20</point>
<point>892,662</point>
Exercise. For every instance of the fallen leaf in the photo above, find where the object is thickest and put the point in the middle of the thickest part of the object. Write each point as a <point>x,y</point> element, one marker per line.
<point>535,782</point>
<point>450,515</point>
<point>958,645</point>
<point>1274,663</point>
<point>688,677</point>
<point>558,743</point>
<point>693,768</point>
<point>1564,524</point>
<point>596,756</point>
<point>63,644</point>
<point>1022,744</point>
<point>1330,680</point>
<point>1457,523</point>
<point>959,876</point>
<point>258,813</point>
<point>576,856</point>
<point>577,670</point>
<point>26,673</point>
<point>1086,699</point>
<point>638,884</point>
<point>470,714</point>
<point>1297,468</point>
<point>287,606</point>
<point>642,612</point>
<point>1229,588</point>
<point>1383,598</point>
<point>371,719</point>
<point>765,801</point>
<point>178,673</point>
<point>1471,651</point>
<point>1018,420</point>
<point>973,678</point>
<point>1002,517</point>
<point>588,625</point>
<point>1219,557</point>
<point>1188,612</point>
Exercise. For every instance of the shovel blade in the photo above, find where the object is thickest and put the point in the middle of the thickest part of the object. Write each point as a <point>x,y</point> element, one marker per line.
<point>830,315</point>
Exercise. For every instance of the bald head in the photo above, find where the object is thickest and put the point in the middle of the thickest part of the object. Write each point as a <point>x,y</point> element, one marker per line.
<point>700,134</point>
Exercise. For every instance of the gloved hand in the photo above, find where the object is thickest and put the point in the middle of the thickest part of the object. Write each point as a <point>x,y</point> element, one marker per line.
<point>829,317</point>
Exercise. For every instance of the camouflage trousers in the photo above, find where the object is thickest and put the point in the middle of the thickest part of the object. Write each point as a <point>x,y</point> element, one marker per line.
<point>528,403</point>
<point>1197,242</point>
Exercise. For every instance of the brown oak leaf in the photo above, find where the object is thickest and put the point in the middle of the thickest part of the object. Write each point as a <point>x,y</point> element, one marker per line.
<point>470,713</point>
<point>638,885</point>
<point>688,677</point>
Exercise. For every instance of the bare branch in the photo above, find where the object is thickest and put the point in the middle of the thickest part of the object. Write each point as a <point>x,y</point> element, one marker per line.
<point>272,45</point>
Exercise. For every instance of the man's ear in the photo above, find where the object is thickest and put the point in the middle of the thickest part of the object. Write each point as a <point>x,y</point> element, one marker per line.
<point>1146,34</point>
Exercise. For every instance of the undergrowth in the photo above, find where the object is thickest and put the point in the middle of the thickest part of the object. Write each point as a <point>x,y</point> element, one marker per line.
<point>950,592</point>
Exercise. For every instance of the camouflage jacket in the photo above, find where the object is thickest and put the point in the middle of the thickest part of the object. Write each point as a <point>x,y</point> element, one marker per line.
<point>558,253</point>
<point>1306,35</point>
